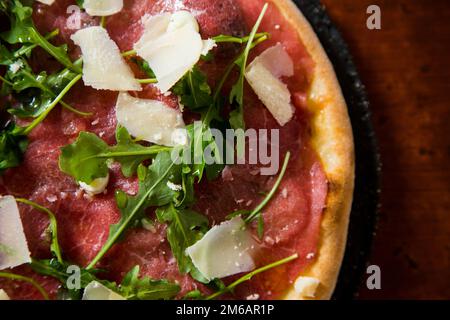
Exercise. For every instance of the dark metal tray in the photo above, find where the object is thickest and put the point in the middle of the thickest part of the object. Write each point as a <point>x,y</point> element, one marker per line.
<point>364,213</point>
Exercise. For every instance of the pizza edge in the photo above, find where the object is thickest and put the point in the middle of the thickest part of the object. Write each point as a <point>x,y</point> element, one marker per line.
<point>332,138</point>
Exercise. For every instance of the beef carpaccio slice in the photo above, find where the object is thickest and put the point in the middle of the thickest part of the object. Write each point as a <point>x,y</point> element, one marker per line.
<point>292,219</point>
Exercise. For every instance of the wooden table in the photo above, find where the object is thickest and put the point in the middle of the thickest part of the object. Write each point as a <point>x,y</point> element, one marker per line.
<point>406,68</point>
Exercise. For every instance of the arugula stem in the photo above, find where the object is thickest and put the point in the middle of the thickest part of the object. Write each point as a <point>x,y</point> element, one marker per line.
<point>27,49</point>
<point>72,109</point>
<point>231,66</point>
<point>272,192</point>
<point>123,226</point>
<point>250,275</point>
<point>102,21</point>
<point>6,81</point>
<point>55,102</point>
<point>50,49</point>
<point>132,153</point>
<point>129,53</point>
<point>46,89</point>
<point>13,276</point>
<point>146,81</point>
<point>225,38</point>
<point>53,226</point>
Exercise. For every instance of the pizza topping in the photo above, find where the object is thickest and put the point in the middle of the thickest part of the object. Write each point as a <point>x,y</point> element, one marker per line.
<point>164,186</point>
<point>13,244</point>
<point>150,120</point>
<point>102,7</point>
<point>172,45</point>
<point>97,186</point>
<point>88,158</point>
<point>306,287</point>
<point>263,76</point>
<point>3,295</point>
<point>47,2</point>
<point>97,291</point>
<point>103,66</point>
<point>224,250</point>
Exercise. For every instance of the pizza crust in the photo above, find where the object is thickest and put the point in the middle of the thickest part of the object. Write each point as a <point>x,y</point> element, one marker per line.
<point>332,138</point>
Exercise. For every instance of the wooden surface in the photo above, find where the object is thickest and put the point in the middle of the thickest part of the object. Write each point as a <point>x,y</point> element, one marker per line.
<point>406,68</point>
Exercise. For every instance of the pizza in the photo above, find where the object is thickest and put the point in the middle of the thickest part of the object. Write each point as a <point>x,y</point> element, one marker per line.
<point>170,149</point>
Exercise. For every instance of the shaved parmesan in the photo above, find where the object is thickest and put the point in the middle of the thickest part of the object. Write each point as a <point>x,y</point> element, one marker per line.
<point>151,120</point>
<point>263,75</point>
<point>13,244</point>
<point>306,286</point>
<point>3,295</point>
<point>96,291</point>
<point>102,7</point>
<point>224,250</point>
<point>172,45</point>
<point>103,66</point>
<point>48,2</point>
<point>95,187</point>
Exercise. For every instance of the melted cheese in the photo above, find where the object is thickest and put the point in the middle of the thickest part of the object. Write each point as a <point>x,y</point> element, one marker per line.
<point>97,291</point>
<point>306,286</point>
<point>13,244</point>
<point>103,66</point>
<point>172,45</point>
<point>3,295</point>
<point>224,250</point>
<point>47,2</point>
<point>151,120</point>
<point>102,7</point>
<point>263,75</point>
<point>97,186</point>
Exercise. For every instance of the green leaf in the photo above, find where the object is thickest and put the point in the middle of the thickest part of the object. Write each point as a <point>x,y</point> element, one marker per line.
<point>185,228</point>
<point>194,90</point>
<point>153,192</point>
<point>80,159</point>
<point>55,269</point>
<point>194,295</point>
<point>12,148</point>
<point>135,288</point>
<point>59,53</point>
<point>20,21</point>
<point>86,159</point>
<point>130,154</point>
<point>144,66</point>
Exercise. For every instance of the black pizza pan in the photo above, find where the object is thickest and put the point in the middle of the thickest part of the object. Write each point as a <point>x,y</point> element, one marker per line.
<point>364,214</point>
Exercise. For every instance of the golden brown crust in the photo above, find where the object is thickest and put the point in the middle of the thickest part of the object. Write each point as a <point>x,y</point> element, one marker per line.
<point>333,141</point>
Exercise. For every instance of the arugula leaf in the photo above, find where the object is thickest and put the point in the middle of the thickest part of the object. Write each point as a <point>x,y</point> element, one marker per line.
<point>194,295</point>
<point>79,158</point>
<point>20,21</point>
<point>144,66</point>
<point>55,269</point>
<point>153,192</point>
<point>86,159</point>
<point>185,228</point>
<point>194,90</point>
<point>12,147</point>
<point>133,288</point>
<point>237,91</point>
